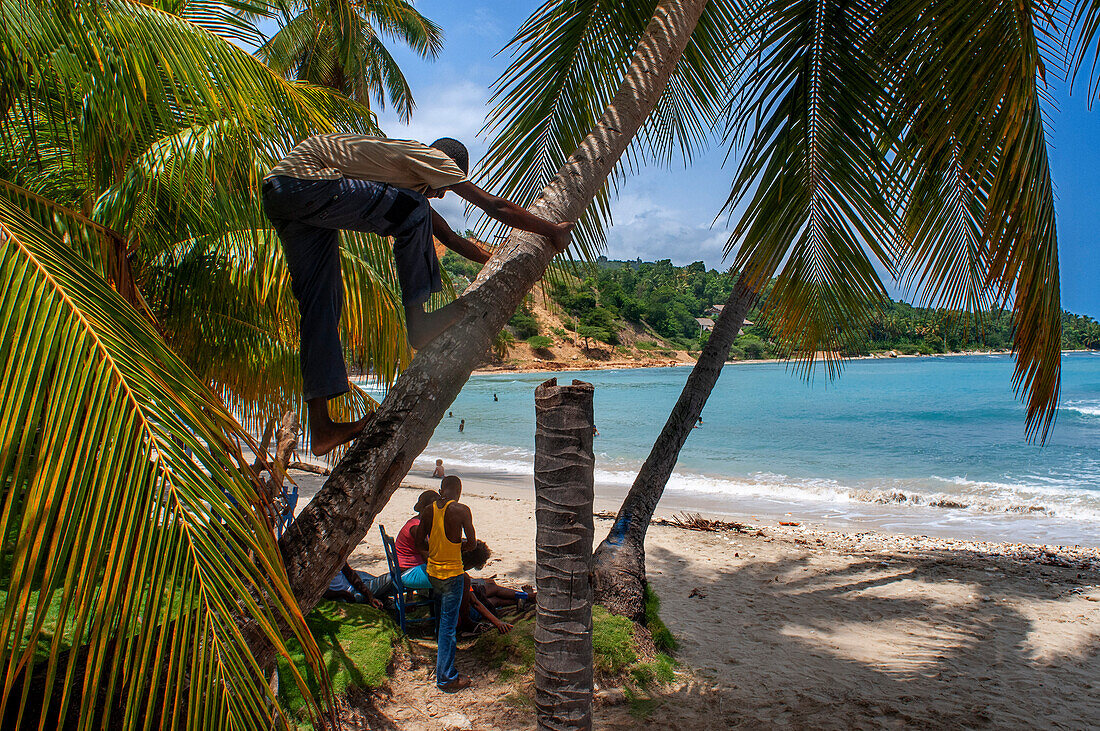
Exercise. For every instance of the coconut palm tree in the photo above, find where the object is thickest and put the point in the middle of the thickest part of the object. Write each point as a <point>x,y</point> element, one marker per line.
<point>907,133</point>
<point>137,561</point>
<point>338,44</point>
<point>339,515</point>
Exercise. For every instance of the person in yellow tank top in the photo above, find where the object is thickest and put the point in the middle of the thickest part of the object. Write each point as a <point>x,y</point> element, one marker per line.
<point>446,529</point>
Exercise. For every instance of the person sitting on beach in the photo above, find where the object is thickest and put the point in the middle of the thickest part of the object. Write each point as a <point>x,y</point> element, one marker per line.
<point>343,182</point>
<point>484,597</point>
<point>412,562</point>
<point>446,528</point>
<point>474,612</point>
<point>439,469</point>
<point>359,586</point>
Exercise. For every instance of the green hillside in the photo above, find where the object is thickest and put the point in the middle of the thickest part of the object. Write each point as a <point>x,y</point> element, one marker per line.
<point>678,303</point>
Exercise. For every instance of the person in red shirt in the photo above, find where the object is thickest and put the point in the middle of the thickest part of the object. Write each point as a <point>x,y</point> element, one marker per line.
<point>410,560</point>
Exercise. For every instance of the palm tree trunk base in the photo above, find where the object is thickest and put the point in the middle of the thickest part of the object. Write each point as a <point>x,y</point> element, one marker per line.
<point>619,580</point>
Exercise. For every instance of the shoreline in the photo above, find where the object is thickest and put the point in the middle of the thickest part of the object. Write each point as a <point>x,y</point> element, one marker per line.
<point>941,524</point>
<point>517,488</point>
<point>550,366</point>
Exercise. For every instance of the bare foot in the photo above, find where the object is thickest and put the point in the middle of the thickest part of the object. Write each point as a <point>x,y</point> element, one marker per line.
<point>327,435</point>
<point>423,327</point>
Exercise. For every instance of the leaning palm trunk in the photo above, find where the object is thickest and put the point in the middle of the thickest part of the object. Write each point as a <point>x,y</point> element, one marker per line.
<point>563,555</point>
<point>619,575</point>
<point>338,517</point>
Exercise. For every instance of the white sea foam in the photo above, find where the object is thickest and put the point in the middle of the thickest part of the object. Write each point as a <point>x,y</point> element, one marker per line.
<point>1038,496</point>
<point>1090,407</point>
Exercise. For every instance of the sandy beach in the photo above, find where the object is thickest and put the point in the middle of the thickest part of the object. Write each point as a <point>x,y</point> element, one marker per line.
<point>803,627</point>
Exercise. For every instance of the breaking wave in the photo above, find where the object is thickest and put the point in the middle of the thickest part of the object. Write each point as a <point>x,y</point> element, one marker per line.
<point>957,494</point>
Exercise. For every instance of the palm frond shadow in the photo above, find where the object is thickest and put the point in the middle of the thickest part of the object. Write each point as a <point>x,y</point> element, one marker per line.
<point>822,632</point>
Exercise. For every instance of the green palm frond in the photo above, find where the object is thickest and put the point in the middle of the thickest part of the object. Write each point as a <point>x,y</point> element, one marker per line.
<point>184,193</point>
<point>227,307</point>
<point>980,223</point>
<point>812,177</point>
<point>101,247</point>
<point>1083,35</point>
<point>569,58</point>
<point>131,534</point>
<point>339,45</point>
<point>113,78</point>
<point>231,19</point>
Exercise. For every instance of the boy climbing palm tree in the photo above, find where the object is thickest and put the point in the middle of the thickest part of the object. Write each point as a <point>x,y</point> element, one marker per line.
<point>335,182</point>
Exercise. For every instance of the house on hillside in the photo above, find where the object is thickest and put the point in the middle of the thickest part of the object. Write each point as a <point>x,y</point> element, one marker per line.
<point>706,324</point>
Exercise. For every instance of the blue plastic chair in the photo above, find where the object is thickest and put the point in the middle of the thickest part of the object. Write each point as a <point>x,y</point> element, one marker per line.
<point>403,598</point>
<point>289,497</point>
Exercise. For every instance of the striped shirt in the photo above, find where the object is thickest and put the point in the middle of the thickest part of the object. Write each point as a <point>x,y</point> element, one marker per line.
<point>401,163</point>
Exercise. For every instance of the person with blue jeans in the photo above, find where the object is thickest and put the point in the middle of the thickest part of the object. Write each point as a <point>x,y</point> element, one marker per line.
<point>341,182</point>
<point>446,528</point>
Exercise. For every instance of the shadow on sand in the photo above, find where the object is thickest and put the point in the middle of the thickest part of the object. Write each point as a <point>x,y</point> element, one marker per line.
<point>935,640</point>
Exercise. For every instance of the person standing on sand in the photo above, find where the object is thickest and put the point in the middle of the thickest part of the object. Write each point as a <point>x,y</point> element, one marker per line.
<point>342,182</point>
<point>446,529</point>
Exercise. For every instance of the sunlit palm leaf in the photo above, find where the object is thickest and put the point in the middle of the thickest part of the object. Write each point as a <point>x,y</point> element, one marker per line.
<point>131,535</point>
<point>339,45</point>
<point>186,195</point>
<point>119,76</point>
<point>226,305</point>
<point>231,19</point>
<point>101,247</point>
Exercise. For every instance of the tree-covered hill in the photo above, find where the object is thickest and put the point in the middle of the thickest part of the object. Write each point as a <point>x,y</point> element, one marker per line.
<point>678,304</point>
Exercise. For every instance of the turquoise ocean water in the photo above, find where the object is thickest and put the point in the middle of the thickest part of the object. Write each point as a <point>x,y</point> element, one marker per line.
<point>921,445</point>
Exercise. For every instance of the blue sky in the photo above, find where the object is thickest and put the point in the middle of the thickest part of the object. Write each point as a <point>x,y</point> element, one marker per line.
<point>668,213</point>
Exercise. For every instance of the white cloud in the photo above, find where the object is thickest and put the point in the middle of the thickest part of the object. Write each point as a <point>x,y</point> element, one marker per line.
<point>444,110</point>
<point>647,229</point>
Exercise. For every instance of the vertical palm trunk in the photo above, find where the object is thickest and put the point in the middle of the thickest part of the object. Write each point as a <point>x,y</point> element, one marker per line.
<point>563,555</point>
<point>619,576</point>
<point>338,517</point>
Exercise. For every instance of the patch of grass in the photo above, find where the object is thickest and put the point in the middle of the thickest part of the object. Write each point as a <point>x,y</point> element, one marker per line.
<point>612,641</point>
<point>646,344</point>
<point>661,669</point>
<point>513,654</point>
<point>516,699</point>
<point>662,636</point>
<point>356,642</point>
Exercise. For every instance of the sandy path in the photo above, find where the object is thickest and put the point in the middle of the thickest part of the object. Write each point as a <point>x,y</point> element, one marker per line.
<point>805,628</point>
